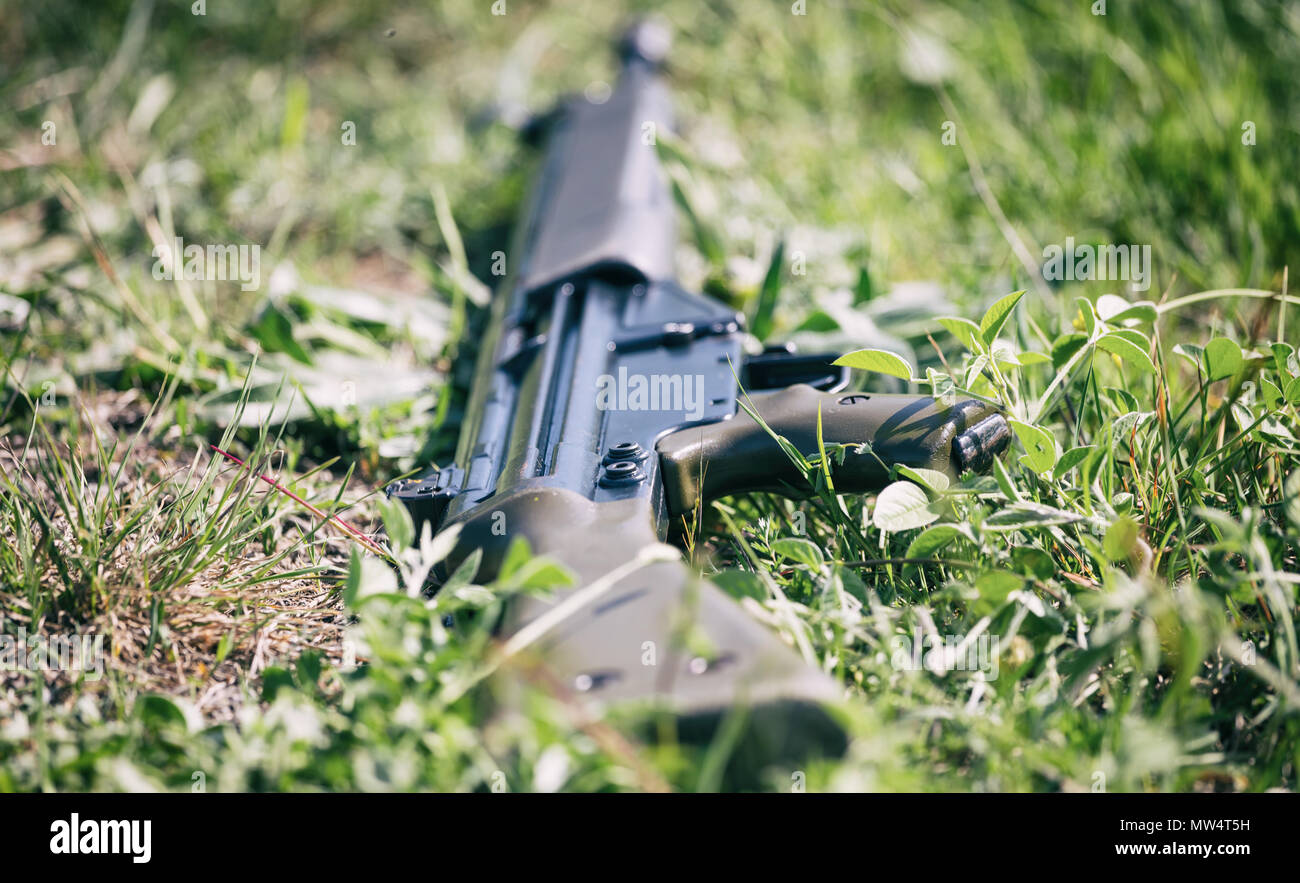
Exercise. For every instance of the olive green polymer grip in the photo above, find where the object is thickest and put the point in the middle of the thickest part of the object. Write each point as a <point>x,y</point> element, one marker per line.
<point>738,455</point>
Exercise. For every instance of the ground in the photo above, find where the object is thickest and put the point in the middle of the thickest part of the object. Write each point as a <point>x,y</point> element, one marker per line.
<point>848,174</point>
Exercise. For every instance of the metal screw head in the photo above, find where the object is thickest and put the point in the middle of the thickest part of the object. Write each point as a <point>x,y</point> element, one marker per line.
<point>624,450</point>
<point>622,473</point>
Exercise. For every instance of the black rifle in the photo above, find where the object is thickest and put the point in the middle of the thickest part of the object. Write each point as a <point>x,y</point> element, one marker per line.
<point>606,405</point>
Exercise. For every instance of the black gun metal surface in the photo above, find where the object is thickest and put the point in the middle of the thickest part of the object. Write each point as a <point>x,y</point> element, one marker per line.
<point>606,405</point>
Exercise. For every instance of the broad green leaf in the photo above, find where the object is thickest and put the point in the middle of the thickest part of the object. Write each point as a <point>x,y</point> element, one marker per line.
<point>1087,316</point>
<point>1115,310</point>
<point>464,573</point>
<point>1033,562</point>
<point>863,291</point>
<point>1125,349</point>
<point>932,539</point>
<point>820,321</point>
<point>1109,305</point>
<point>1284,359</point>
<point>1071,459</point>
<point>517,554</point>
<point>976,368</point>
<point>849,581</point>
<point>1121,539</point>
<point>1192,353</point>
<point>1277,432</point>
<point>1024,515</point>
<point>275,679</point>
<point>1222,358</point>
<point>1088,465</point>
<point>995,585</point>
<point>964,330</point>
<point>368,575</point>
<point>997,315</point>
<point>983,387</point>
<point>274,331</point>
<point>1143,312</point>
<point>308,669</point>
<point>1123,400</point>
<point>1270,393</point>
<point>1030,358</point>
<point>1039,445</point>
<point>469,594</point>
<point>1065,346</point>
<point>442,544</point>
<point>740,584</point>
<point>799,549</point>
<point>397,524</point>
<point>1133,336</point>
<point>878,361</point>
<point>1123,426</point>
<point>158,711</point>
<point>539,573</point>
<point>1242,416</point>
<point>903,506</point>
<point>1005,355</point>
<point>930,479</point>
<point>1293,392</point>
<point>941,385</point>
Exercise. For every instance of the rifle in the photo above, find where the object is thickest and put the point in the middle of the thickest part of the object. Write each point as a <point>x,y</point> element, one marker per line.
<point>608,404</point>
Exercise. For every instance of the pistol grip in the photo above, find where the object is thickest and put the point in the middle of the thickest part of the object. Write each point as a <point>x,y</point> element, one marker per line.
<point>738,455</point>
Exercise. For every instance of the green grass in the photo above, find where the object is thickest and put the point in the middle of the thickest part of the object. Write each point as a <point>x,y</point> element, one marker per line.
<point>1136,551</point>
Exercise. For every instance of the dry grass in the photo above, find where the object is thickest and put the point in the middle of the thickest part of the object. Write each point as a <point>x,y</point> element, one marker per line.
<point>207,636</point>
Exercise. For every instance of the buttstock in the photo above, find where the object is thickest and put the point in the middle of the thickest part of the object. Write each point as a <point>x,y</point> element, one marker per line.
<point>662,638</point>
